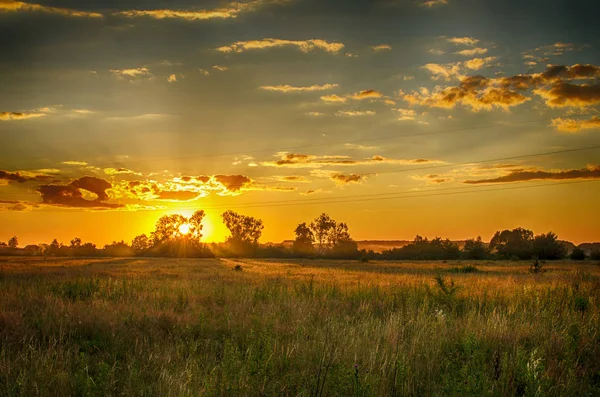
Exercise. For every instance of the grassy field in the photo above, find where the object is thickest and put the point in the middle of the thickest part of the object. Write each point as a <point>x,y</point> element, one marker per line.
<point>310,328</point>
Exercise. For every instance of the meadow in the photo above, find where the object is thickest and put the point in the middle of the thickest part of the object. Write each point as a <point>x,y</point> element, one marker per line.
<point>188,327</point>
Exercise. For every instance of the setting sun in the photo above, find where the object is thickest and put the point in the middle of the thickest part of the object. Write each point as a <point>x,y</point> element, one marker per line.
<point>184,229</point>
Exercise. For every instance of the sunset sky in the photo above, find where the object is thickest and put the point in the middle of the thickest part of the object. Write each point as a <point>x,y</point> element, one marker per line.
<point>451,118</point>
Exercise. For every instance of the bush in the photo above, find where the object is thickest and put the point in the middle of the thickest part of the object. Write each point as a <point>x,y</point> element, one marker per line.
<point>464,269</point>
<point>595,255</point>
<point>578,254</point>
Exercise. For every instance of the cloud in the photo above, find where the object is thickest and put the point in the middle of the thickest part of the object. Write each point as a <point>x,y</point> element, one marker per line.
<point>120,171</point>
<point>463,41</point>
<point>220,68</point>
<point>172,78</point>
<point>301,160</point>
<point>304,45</point>
<point>233,10</point>
<point>573,125</point>
<point>233,182</point>
<point>478,63</point>
<point>25,176</point>
<point>366,94</point>
<point>360,147</point>
<point>342,179</point>
<point>132,74</point>
<point>435,51</point>
<point>71,162</point>
<point>570,95</point>
<point>352,113</point>
<point>406,114</point>
<point>472,52</point>
<point>72,195</point>
<point>316,114</point>
<point>590,172</point>
<point>15,116</point>
<point>333,98</point>
<point>447,71</point>
<point>178,195</point>
<point>475,92</point>
<point>288,88</point>
<point>18,6</point>
<point>433,179</point>
<point>381,47</point>
<point>432,3</point>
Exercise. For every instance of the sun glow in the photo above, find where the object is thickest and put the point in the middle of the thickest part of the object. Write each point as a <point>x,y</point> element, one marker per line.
<point>184,229</point>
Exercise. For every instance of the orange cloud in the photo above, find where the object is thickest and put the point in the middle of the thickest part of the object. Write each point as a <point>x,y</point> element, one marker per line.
<point>19,6</point>
<point>366,94</point>
<point>231,11</point>
<point>352,113</point>
<point>342,179</point>
<point>472,52</point>
<point>591,172</point>
<point>288,88</point>
<point>302,45</point>
<point>432,3</point>
<point>12,116</point>
<point>72,195</point>
<point>463,41</point>
<point>333,98</point>
<point>300,160</point>
<point>570,95</point>
<point>381,47</point>
<point>573,125</point>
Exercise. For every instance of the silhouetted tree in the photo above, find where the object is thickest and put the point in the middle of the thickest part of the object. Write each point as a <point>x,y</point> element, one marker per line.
<point>475,249</point>
<point>303,244</point>
<point>141,244</point>
<point>245,232</point>
<point>168,227</point>
<point>118,249</point>
<point>13,242</point>
<point>76,242</point>
<point>322,227</point>
<point>578,254</point>
<point>513,243</point>
<point>195,223</point>
<point>547,246</point>
<point>53,248</point>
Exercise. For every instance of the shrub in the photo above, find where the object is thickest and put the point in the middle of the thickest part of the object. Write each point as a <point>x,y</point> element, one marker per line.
<point>537,267</point>
<point>464,269</point>
<point>578,254</point>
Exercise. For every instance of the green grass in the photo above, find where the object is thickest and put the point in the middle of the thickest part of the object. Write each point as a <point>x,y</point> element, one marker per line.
<point>326,328</point>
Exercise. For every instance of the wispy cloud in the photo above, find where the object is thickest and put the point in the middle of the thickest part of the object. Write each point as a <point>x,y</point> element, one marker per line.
<point>19,6</point>
<point>432,3</point>
<point>381,47</point>
<point>366,94</point>
<point>470,41</point>
<point>590,172</point>
<point>573,125</point>
<point>333,98</point>
<point>233,10</point>
<point>16,116</point>
<point>353,113</point>
<point>472,52</point>
<point>288,88</point>
<point>302,45</point>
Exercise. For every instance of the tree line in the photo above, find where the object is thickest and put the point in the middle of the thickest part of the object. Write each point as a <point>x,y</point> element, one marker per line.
<point>179,236</point>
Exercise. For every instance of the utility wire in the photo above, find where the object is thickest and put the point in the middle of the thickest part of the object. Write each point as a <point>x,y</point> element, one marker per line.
<point>282,149</point>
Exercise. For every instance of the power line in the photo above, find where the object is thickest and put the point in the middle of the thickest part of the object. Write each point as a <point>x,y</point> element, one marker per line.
<point>282,149</point>
<point>445,165</point>
<point>396,196</point>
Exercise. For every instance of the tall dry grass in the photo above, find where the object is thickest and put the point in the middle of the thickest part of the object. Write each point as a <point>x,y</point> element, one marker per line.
<point>198,327</point>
